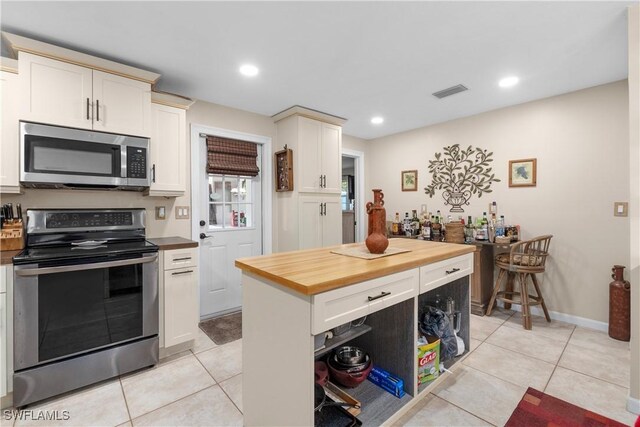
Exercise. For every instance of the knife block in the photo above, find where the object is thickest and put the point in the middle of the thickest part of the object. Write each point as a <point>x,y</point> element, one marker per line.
<point>11,236</point>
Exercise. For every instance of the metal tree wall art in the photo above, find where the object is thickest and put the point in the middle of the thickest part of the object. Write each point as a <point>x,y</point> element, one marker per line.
<point>460,173</point>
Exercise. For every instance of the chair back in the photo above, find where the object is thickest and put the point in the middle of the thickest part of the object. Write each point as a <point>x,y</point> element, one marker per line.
<point>532,253</point>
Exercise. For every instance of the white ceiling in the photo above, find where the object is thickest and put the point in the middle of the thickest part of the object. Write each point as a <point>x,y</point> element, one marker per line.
<point>351,59</point>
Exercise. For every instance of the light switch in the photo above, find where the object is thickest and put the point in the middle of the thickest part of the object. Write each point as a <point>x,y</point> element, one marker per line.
<point>161,212</point>
<point>620,208</point>
<point>182,212</point>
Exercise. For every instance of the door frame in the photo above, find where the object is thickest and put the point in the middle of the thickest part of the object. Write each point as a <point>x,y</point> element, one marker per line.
<point>265,177</point>
<point>358,165</point>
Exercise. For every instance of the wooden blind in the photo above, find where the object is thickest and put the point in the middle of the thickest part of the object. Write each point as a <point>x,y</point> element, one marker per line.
<point>231,156</point>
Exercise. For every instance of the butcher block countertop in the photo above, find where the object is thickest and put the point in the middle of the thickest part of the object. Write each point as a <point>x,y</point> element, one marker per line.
<point>5,256</point>
<point>169,243</point>
<point>313,271</point>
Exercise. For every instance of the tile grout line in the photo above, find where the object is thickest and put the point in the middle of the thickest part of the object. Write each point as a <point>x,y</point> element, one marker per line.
<point>124,395</point>
<point>171,403</point>
<point>558,361</point>
<point>229,397</point>
<point>462,409</point>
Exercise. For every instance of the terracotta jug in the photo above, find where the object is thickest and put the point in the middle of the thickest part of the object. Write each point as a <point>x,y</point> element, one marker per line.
<point>619,305</point>
<point>377,240</point>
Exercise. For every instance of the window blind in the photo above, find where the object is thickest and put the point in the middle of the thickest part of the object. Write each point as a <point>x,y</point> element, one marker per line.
<point>231,157</point>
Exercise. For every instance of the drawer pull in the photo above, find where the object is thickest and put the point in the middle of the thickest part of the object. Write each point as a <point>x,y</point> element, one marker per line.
<point>181,272</point>
<point>455,270</point>
<point>181,259</point>
<point>382,295</point>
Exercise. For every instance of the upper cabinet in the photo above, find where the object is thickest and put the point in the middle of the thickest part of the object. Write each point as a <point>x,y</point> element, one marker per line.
<point>9,144</point>
<point>65,94</point>
<point>317,164</point>
<point>168,151</point>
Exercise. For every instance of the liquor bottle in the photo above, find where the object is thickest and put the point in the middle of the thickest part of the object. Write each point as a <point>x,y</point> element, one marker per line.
<point>500,226</point>
<point>406,224</point>
<point>426,229</point>
<point>395,226</point>
<point>468,231</point>
<point>436,230</point>
<point>415,223</point>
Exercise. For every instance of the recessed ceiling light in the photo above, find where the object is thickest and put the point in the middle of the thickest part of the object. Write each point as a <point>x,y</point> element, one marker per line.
<point>377,120</point>
<point>509,81</point>
<point>249,70</point>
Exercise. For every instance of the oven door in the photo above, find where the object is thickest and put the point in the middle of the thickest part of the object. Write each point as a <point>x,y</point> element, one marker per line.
<point>62,311</point>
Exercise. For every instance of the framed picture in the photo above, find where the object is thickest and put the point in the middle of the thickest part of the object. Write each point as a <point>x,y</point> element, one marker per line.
<point>522,173</point>
<point>410,180</point>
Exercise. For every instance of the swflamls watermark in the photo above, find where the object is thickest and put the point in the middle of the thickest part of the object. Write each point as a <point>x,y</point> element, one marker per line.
<point>35,415</point>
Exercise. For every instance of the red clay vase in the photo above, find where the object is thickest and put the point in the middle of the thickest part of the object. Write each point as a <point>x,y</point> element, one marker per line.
<point>377,241</point>
<point>619,305</point>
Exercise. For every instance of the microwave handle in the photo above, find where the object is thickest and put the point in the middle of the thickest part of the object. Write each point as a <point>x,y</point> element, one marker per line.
<point>98,265</point>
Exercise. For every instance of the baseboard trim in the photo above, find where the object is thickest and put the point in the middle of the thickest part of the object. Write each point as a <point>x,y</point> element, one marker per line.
<point>563,317</point>
<point>633,405</point>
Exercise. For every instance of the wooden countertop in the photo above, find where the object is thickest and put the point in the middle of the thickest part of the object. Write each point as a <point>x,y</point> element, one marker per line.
<point>313,271</point>
<point>5,256</point>
<point>169,243</point>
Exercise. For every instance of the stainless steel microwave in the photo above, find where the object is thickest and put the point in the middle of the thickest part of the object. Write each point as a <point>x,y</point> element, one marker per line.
<point>60,157</point>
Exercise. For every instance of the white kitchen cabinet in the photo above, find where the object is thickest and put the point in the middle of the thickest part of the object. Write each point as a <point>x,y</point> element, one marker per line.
<point>319,156</point>
<point>310,215</point>
<point>9,145</point>
<point>320,221</point>
<point>6,330</point>
<point>168,151</point>
<point>60,93</point>
<point>179,311</point>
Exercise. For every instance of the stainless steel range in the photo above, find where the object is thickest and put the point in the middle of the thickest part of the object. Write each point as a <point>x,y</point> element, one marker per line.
<point>86,300</point>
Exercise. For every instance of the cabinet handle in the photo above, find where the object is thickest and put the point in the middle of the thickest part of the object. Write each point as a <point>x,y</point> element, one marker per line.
<point>88,106</point>
<point>325,209</point>
<point>382,295</point>
<point>182,259</point>
<point>455,270</point>
<point>182,272</point>
<point>153,173</point>
<point>97,110</point>
<point>324,181</point>
<point>320,209</point>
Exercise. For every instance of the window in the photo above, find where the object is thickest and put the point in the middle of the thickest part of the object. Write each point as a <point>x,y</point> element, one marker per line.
<point>230,202</point>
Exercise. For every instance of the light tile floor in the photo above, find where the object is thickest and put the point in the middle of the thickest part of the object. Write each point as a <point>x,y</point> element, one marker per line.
<point>203,386</point>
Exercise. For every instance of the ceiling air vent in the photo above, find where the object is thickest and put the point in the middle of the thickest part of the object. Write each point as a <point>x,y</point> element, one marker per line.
<point>450,91</point>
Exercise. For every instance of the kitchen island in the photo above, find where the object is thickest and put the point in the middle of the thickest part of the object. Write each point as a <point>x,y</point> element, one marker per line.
<point>291,298</point>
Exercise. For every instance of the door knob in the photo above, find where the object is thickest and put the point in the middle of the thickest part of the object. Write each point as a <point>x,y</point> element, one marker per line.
<point>202,223</point>
<point>204,236</point>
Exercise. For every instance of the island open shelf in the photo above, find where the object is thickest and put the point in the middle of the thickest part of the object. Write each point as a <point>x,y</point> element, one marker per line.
<point>290,298</point>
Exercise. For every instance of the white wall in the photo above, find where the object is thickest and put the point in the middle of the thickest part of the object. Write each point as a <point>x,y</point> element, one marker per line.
<point>581,143</point>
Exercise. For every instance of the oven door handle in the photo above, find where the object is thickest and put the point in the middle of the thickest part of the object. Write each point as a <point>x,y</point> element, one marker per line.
<point>67,268</point>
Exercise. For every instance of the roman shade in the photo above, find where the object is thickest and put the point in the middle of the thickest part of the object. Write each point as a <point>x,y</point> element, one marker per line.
<point>228,156</point>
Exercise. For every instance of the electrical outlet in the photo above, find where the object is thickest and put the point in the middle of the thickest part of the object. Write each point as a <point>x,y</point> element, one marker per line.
<point>620,208</point>
<point>161,212</point>
<point>182,212</point>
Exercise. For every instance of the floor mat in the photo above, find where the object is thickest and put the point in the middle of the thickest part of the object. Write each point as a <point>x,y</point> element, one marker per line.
<point>539,409</point>
<point>223,329</point>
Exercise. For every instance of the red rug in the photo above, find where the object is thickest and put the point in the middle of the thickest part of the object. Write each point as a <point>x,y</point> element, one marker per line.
<point>539,409</point>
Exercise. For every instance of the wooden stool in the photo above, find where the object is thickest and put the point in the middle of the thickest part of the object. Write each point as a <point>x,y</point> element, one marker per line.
<point>525,260</point>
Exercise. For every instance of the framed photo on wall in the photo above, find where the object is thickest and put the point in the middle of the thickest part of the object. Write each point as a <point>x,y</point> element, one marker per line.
<point>410,180</point>
<point>522,173</point>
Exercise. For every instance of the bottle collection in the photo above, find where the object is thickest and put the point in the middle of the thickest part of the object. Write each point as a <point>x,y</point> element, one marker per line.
<point>430,226</point>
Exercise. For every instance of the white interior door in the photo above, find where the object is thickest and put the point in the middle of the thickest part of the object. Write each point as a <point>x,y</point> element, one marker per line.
<point>231,228</point>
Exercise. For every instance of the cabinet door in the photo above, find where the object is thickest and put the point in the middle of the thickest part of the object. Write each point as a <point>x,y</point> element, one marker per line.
<point>168,151</point>
<point>122,105</point>
<point>55,92</point>
<point>181,311</point>
<point>331,158</point>
<point>331,221</point>
<point>309,155</point>
<point>9,142</point>
<point>3,344</point>
<point>310,222</point>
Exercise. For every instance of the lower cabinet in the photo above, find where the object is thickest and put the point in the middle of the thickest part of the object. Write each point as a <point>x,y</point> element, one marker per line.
<point>320,221</point>
<point>179,313</point>
<point>6,330</point>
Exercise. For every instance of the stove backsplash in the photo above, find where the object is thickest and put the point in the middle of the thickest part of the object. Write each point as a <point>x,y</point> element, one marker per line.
<point>69,199</point>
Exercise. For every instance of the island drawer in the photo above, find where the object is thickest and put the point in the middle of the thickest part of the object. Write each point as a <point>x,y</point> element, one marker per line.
<point>180,258</point>
<point>439,273</point>
<point>339,306</point>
